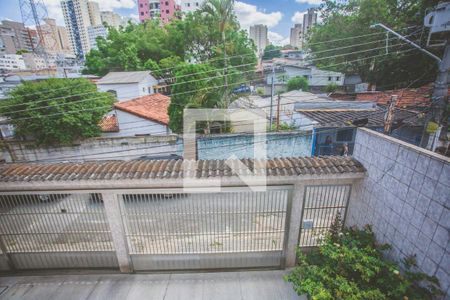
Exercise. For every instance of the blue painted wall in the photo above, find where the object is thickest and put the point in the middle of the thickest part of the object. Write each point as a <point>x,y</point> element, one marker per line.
<point>278,145</point>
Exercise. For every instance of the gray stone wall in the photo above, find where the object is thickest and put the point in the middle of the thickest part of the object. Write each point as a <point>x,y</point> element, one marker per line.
<point>406,198</point>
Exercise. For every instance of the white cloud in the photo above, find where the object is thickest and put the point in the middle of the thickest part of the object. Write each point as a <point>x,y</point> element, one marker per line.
<point>249,15</point>
<point>277,39</point>
<point>135,17</point>
<point>312,2</point>
<point>297,18</point>
<point>54,10</point>
<point>116,4</point>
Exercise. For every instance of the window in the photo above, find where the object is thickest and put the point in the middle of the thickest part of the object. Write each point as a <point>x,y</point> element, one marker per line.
<point>188,4</point>
<point>196,4</point>
<point>338,78</point>
<point>167,3</point>
<point>142,13</point>
<point>167,11</point>
<point>143,89</point>
<point>141,5</point>
<point>344,135</point>
<point>329,78</point>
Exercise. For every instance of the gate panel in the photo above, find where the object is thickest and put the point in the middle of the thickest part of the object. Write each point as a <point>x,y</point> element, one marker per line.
<point>50,231</point>
<point>321,205</point>
<point>206,230</point>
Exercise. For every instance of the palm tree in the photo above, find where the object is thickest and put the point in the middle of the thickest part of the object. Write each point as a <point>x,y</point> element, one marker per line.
<point>221,10</point>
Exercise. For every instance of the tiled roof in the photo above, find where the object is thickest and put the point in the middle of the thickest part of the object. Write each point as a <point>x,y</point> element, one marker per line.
<point>173,169</point>
<point>109,124</point>
<point>375,117</point>
<point>409,97</point>
<point>418,97</point>
<point>123,77</point>
<point>151,107</point>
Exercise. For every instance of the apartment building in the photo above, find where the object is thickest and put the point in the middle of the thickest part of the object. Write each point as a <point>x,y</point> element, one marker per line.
<point>296,38</point>
<point>258,33</point>
<point>12,62</point>
<point>94,13</point>
<point>94,32</point>
<point>111,18</point>
<point>15,36</point>
<point>77,20</point>
<point>164,9</point>
<point>188,6</point>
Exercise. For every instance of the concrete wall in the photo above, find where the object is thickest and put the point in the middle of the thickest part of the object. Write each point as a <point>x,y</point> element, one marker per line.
<point>96,149</point>
<point>126,148</point>
<point>406,197</point>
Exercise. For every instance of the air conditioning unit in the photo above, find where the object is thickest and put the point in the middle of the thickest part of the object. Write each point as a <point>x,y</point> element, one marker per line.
<point>438,20</point>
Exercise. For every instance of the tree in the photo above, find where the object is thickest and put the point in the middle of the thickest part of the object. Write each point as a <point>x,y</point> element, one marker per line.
<point>193,88</point>
<point>331,88</point>
<point>333,44</point>
<point>297,83</point>
<point>56,111</point>
<point>271,52</point>
<point>222,11</point>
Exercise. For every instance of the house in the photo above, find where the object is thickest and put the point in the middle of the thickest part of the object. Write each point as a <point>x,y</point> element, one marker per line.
<point>146,115</point>
<point>128,85</point>
<point>334,126</point>
<point>317,78</point>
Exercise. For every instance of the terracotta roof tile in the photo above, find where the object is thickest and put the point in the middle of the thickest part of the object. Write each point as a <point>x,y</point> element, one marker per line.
<point>410,97</point>
<point>109,124</point>
<point>151,107</point>
<point>172,169</point>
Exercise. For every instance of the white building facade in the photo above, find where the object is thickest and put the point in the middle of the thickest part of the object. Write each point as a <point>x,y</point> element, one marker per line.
<point>94,13</point>
<point>296,37</point>
<point>315,76</point>
<point>12,62</point>
<point>188,6</point>
<point>94,32</point>
<point>128,85</point>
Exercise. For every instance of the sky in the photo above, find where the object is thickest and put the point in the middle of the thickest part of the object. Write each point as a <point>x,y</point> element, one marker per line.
<point>278,15</point>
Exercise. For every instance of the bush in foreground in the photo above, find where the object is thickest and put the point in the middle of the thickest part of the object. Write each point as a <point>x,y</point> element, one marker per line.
<point>351,265</point>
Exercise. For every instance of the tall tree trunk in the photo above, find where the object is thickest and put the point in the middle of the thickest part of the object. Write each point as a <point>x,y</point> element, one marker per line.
<point>225,73</point>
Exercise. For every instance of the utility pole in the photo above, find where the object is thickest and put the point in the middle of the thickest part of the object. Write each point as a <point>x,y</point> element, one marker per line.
<point>389,117</point>
<point>271,97</point>
<point>278,112</point>
<point>440,92</point>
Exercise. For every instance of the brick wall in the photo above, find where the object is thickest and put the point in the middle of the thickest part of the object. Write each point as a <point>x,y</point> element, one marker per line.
<point>406,197</point>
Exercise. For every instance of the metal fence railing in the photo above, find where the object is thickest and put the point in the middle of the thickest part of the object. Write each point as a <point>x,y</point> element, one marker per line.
<point>206,230</point>
<point>48,230</point>
<point>321,205</point>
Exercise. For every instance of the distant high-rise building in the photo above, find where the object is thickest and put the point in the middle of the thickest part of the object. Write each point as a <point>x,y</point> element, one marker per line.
<point>77,20</point>
<point>111,18</point>
<point>296,36</point>
<point>15,36</point>
<point>187,6</point>
<point>258,33</point>
<point>94,32</point>
<point>309,20</point>
<point>164,9</point>
<point>94,13</point>
<point>56,37</point>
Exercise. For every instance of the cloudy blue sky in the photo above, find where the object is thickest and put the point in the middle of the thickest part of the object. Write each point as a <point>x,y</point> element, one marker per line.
<point>278,15</point>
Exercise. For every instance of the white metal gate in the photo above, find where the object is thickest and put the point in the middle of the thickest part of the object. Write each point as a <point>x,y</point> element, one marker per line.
<point>321,205</point>
<point>236,228</point>
<point>53,231</point>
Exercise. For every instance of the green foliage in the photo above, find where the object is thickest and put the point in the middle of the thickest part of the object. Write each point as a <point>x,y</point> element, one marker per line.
<point>192,90</point>
<point>331,88</point>
<point>56,111</point>
<point>344,21</point>
<point>283,127</point>
<point>297,83</point>
<point>260,91</point>
<point>22,51</point>
<point>271,51</point>
<point>351,265</point>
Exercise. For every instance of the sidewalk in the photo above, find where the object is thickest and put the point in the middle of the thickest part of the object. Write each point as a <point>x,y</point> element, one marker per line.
<point>258,285</point>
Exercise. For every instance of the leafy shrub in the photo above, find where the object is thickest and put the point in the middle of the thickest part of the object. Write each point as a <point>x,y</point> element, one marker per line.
<point>298,83</point>
<point>331,88</point>
<point>351,265</point>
